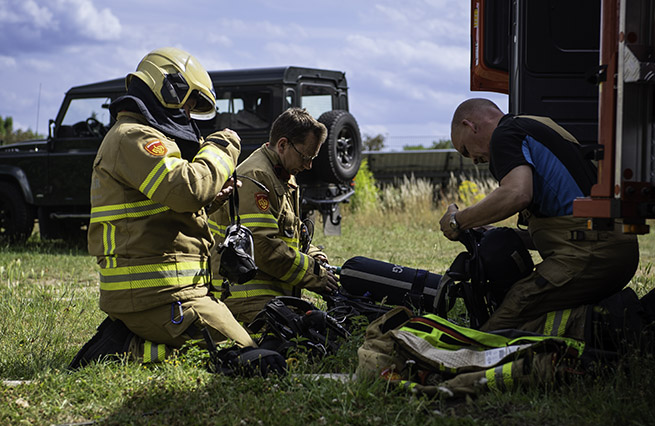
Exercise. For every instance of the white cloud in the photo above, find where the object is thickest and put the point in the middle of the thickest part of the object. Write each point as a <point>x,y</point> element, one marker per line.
<point>7,62</point>
<point>89,21</point>
<point>239,28</point>
<point>220,39</point>
<point>38,65</point>
<point>28,26</point>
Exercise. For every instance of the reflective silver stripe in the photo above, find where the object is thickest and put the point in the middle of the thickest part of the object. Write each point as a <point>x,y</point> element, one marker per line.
<point>216,229</point>
<point>260,288</point>
<point>498,378</point>
<point>297,270</point>
<point>156,175</point>
<point>212,153</point>
<point>109,238</point>
<point>263,221</point>
<point>109,243</point>
<point>122,211</point>
<point>153,352</point>
<point>555,324</point>
<point>300,270</point>
<point>157,275</point>
<point>384,280</point>
<point>141,276</point>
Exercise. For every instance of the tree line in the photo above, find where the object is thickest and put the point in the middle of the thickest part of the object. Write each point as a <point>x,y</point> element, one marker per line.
<point>9,135</point>
<point>376,143</point>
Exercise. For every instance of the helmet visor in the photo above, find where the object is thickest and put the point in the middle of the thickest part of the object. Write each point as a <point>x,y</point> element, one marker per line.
<point>204,109</point>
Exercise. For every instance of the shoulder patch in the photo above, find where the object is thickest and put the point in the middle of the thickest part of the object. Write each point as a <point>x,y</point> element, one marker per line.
<point>261,199</point>
<point>156,147</point>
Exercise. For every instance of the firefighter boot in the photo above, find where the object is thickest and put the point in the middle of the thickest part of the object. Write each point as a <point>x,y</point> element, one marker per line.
<point>112,338</point>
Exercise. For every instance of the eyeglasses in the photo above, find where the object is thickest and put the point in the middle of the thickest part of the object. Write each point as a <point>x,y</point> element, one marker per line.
<point>303,157</point>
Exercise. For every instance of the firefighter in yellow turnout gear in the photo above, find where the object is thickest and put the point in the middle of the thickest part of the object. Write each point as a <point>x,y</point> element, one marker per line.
<point>274,219</point>
<point>148,225</point>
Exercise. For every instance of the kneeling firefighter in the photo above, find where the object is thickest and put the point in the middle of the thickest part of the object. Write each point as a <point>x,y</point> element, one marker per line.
<point>154,180</point>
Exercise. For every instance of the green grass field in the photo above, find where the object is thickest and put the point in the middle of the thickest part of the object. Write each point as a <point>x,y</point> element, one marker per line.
<point>49,295</point>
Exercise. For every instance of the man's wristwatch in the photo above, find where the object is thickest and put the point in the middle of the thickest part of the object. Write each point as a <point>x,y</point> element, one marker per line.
<point>453,222</point>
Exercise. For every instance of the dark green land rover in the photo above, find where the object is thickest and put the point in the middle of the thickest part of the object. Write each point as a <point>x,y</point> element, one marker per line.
<point>49,180</point>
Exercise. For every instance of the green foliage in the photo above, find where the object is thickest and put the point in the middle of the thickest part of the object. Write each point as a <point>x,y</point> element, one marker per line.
<point>366,192</point>
<point>440,144</point>
<point>50,308</point>
<point>9,135</point>
<point>373,143</point>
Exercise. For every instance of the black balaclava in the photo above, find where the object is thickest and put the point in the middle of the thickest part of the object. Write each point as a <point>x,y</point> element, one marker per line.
<point>170,121</point>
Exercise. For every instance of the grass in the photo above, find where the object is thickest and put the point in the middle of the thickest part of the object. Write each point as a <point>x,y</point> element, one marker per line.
<point>49,309</point>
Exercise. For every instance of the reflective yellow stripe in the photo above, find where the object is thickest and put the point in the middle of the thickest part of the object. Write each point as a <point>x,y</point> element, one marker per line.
<point>407,384</point>
<point>254,288</point>
<point>109,243</point>
<point>297,271</point>
<point>216,229</point>
<point>258,220</point>
<point>123,211</point>
<point>555,324</point>
<point>565,319</point>
<point>491,379</point>
<point>211,153</point>
<point>157,174</point>
<point>508,380</point>
<point>291,242</point>
<point>254,293</point>
<point>499,378</point>
<point>153,352</point>
<point>157,275</point>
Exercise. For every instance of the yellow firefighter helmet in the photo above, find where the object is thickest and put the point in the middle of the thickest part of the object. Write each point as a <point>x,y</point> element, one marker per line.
<point>174,75</point>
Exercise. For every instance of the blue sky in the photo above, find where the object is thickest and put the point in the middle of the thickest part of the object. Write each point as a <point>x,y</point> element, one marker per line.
<point>407,63</point>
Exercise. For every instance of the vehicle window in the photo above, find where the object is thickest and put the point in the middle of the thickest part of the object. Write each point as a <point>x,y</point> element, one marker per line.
<point>81,109</point>
<point>86,117</point>
<point>316,99</point>
<point>241,110</point>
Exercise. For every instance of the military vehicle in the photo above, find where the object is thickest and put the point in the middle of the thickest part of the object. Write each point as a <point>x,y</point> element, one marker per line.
<point>48,181</point>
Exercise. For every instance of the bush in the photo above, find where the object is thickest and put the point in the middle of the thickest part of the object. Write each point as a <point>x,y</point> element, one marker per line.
<point>366,195</point>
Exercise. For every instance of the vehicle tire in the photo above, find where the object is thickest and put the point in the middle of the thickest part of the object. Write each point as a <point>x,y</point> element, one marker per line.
<point>16,216</point>
<point>341,154</point>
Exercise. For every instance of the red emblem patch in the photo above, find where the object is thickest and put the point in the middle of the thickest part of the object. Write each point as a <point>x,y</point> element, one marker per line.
<point>156,147</point>
<point>261,199</point>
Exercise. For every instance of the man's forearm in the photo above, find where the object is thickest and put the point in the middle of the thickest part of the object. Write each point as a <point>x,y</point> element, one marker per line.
<point>496,206</point>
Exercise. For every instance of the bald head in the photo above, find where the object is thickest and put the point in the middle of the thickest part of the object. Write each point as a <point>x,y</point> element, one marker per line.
<point>473,123</point>
<point>472,108</point>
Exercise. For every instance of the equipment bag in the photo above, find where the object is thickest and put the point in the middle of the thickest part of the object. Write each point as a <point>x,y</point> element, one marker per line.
<point>397,285</point>
<point>430,355</point>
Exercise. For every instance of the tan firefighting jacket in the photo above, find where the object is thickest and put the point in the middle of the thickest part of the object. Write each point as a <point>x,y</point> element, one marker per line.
<point>148,225</point>
<point>274,219</point>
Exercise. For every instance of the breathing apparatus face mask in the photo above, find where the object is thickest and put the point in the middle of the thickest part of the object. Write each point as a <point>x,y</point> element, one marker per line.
<point>237,251</point>
<point>237,255</point>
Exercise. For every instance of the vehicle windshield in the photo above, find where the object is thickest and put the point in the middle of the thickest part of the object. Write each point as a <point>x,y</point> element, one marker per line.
<point>240,110</point>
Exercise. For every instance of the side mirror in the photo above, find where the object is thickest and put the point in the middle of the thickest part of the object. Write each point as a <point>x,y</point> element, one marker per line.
<point>51,127</point>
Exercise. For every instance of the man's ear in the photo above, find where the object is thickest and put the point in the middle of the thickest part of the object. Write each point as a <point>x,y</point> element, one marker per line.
<point>470,124</point>
<point>281,143</point>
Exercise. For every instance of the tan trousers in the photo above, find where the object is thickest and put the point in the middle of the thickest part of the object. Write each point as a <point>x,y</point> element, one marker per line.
<point>174,324</point>
<point>574,272</point>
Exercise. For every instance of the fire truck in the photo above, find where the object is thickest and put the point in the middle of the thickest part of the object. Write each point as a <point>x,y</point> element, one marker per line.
<point>590,66</point>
